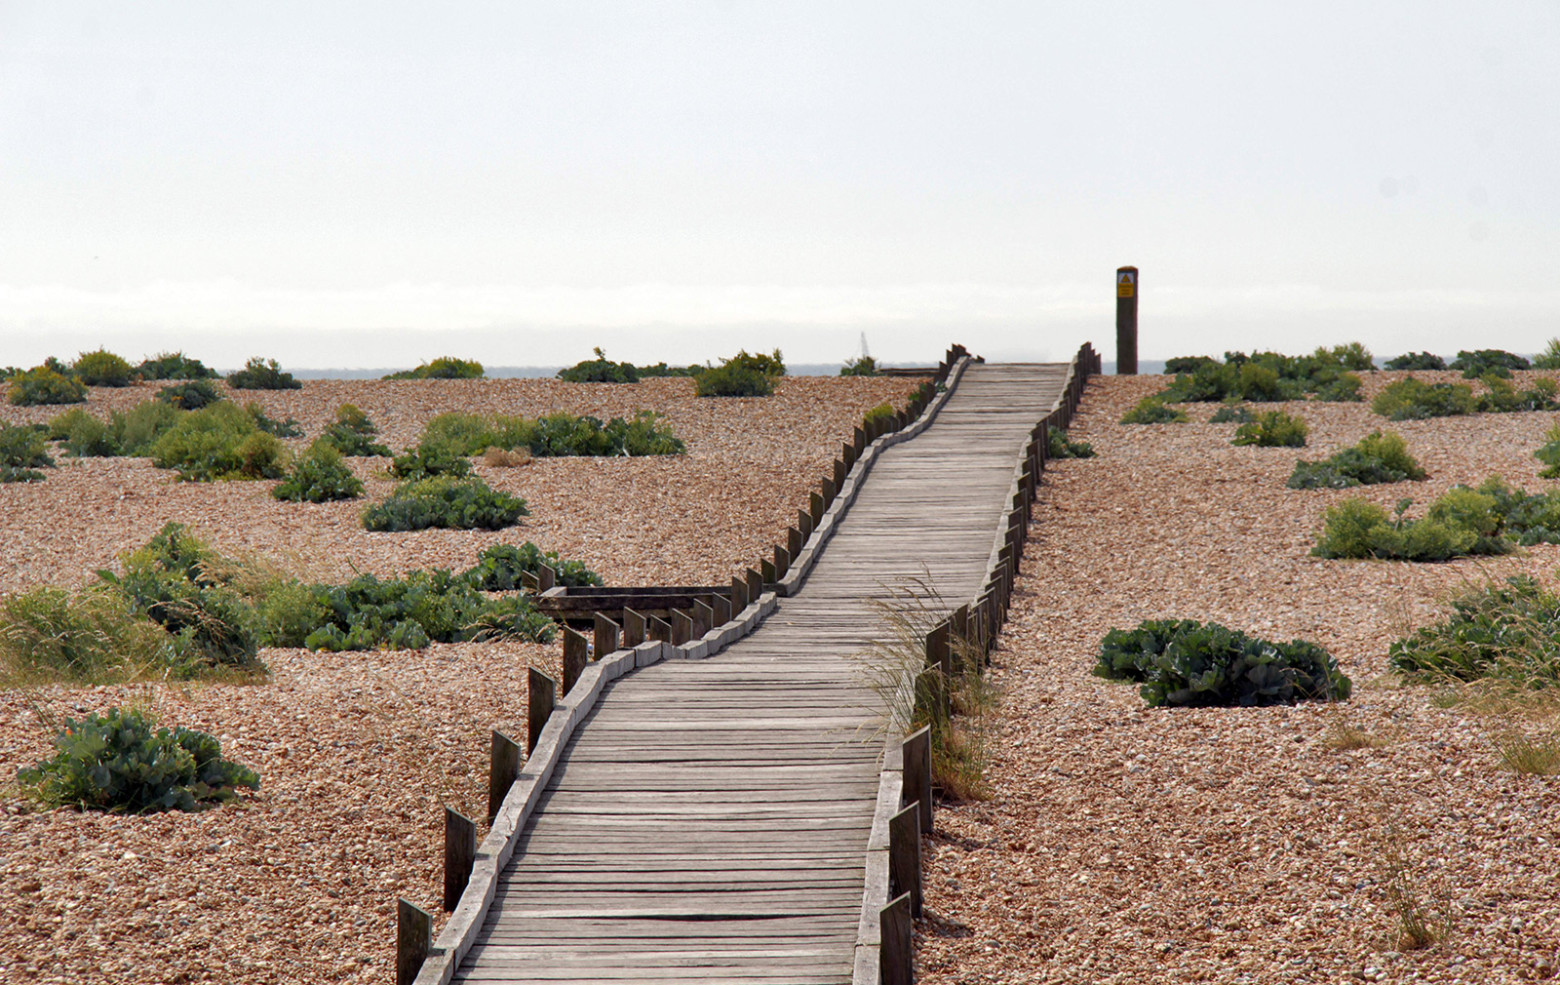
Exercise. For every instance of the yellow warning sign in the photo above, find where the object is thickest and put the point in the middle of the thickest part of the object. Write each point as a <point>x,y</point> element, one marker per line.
<point>1125,283</point>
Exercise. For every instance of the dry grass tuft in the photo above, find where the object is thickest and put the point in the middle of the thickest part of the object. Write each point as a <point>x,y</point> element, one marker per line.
<point>501,458</point>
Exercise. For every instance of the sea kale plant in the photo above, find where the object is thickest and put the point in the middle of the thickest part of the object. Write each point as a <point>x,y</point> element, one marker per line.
<point>498,568</point>
<point>1378,458</point>
<point>445,501</point>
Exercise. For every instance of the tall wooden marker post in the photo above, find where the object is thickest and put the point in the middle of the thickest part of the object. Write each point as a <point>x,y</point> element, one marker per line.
<point>1126,321</point>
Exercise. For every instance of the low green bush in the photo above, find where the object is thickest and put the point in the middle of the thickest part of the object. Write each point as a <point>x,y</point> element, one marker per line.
<point>662,369</point>
<point>1550,357</point>
<point>1410,399</point>
<point>1507,630</point>
<point>1232,412</point>
<point>1153,410</point>
<point>1181,662</point>
<point>262,374</point>
<point>1326,374</point>
<point>881,412</point>
<point>137,429</point>
<point>600,370</point>
<point>368,613</point>
<point>442,368</point>
<point>121,762</point>
<point>288,428</point>
<point>319,476</point>
<point>551,435</point>
<point>428,460</point>
<point>1058,445</point>
<point>190,395</point>
<point>1272,429</point>
<point>499,567</point>
<point>742,375</point>
<point>1484,362</point>
<point>1417,360</point>
<point>445,501</point>
<point>1549,454</point>
<point>1378,458</point>
<point>352,433</point>
<point>49,634</point>
<point>44,385</point>
<point>83,434</point>
<point>1501,397</point>
<point>221,441</point>
<point>102,368</point>
<point>1489,519</point>
<point>22,454</point>
<point>174,366</point>
<point>860,366</point>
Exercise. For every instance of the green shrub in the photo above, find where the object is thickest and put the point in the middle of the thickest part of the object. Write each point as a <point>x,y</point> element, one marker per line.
<point>288,611</point>
<point>1527,518</point>
<point>1410,399</point>
<point>426,461</point>
<point>137,429</point>
<point>1268,376</point>
<point>83,434</point>
<point>1503,398</point>
<point>1272,429</point>
<point>1549,454</point>
<point>1484,362</point>
<point>600,370</point>
<point>1181,662</point>
<point>422,607</point>
<point>102,368</point>
<point>352,433</point>
<point>120,762</point>
<point>1505,630</point>
<point>1417,360</point>
<point>219,442</point>
<point>1550,357</point>
<point>742,375</point>
<point>881,412</point>
<point>192,395</point>
<point>558,434</point>
<point>661,369</point>
<point>1378,458</point>
<point>1058,445</point>
<point>174,366</point>
<point>1153,410</point>
<point>288,428</point>
<point>262,374</point>
<point>860,366</point>
<point>442,368</point>
<point>43,385</point>
<point>22,452</point>
<point>770,365</point>
<point>91,636</point>
<point>1461,522</point>
<point>445,501</point>
<point>498,568</point>
<point>318,476</point>
<point>1232,412</point>
<point>1188,364</point>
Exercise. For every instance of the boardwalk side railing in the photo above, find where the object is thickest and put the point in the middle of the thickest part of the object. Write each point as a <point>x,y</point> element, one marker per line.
<point>555,708</point>
<point>891,899</point>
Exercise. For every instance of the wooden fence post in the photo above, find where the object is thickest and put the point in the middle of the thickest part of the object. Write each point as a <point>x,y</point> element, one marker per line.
<point>904,856</point>
<point>794,541</point>
<point>528,581</point>
<point>767,572</point>
<point>739,594</point>
<point>634,628</point>
<point>840,468</point>
<point>804,520</point>
<point>539,706</point>
<point>413,940</point>
<point>896,929</point>
<point>682,627</point>
<point>816,506</point>
<point>782,561</point>
<point>755,585</point>
<point>916,750</point>
<point>546,577</point>
<point>858,438</point>
<point>939,652</point>
<point>576,654</point>
<point>848,454</point>
<point>721,606</point>
<point>503,770</point>
<point>660,630</point>
<point>460,853</point>
<point>608,634</point>
<point>703,617</point>
<point>829,492</point>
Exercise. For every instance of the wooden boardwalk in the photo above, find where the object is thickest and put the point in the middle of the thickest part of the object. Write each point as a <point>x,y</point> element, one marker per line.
<point>709,819</point>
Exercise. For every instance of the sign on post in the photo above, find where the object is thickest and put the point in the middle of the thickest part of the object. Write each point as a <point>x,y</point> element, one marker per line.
<point>1126,321</point>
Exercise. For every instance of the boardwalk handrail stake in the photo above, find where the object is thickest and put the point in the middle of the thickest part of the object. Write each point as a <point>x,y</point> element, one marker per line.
<point>460,852</point>
<point>904,855</point>
<point>539,706</point>
<point>576,654</point>
<point>898,948</point>
<point>413,940</point>
<point>916,752</point>
<point>503,770</point>
<point>608,633</point>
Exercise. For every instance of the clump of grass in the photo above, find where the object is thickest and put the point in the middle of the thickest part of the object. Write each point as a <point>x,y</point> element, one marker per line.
<point>1231,412</point>
<point>1529,755</point>
<point>48,634</point>
<point>447,502</point>
<point>1506,631</point>
<point>1420,919</point>
<point>1410,399</point>
<point>22,454</point>
<point>1343,737</point>
<point>1154,410</point>
<point>501,458</point>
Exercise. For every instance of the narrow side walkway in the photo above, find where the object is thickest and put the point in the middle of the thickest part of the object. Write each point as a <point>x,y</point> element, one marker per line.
<point>709,820</point>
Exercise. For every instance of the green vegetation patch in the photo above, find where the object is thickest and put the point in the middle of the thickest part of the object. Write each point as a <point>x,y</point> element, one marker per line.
<point>1549,454</point>
<point>44,385</point>
<point>262,374</point>
<point>1272,429</point>
<point>498,568</point>
<point>600,370</point>
<point>190,395</point>
<point>1485,362</point>
<point>1181,662</point>
<point>742,375</point>
<point>860,366</point>
<point>447,502</point>
<point>131,432</point>
<point>1232,412</point>
<point>1490,519</point>
<point>1378,458</point>
<point>1417,360</point>
<point>319,476</point>
<point>1508,631</point>
<point>352,433</point>
<point>102,368</point>
<point>122,763</point>
<point>221,441</point>
<point>1410,399</point>
<point>1154,410</point>
<point>174,366</point>
<point>442,368</point>
<point>93,636</point>
<point>1326,374</point>
<point>459,434</point>
<point>22,453</point>
<point>1058,445</point>
<point>424,606</point>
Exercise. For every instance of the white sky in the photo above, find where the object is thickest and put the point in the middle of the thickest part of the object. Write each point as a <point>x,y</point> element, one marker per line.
<point>376,184</point>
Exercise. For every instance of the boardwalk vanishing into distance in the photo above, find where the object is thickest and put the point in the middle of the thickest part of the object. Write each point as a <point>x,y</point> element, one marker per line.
<point>708,820</point>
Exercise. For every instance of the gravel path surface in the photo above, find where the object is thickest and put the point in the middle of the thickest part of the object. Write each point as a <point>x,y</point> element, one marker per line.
<point>357,752</point>
<point>1127,844</point>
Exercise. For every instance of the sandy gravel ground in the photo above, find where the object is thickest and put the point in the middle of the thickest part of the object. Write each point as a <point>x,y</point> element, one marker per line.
<point>1126,844</point>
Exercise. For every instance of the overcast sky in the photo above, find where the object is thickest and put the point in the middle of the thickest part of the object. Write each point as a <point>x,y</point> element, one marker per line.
<point>375,184</point>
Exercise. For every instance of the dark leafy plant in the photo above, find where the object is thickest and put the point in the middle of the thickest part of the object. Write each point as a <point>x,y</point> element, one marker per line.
<point>427,461</point>
<point>262,374</point>
<point>1058,445</point>
<point>1462,521</point>
<point>445,501</point>
<point>1188,364</point>
<point>1410,399</point>
<point>43,385</point>
<point>442,368</point>
<point>1549,454</point>
<point>1508,630</point>
<point>1417,360</point>
<point>352,433</point>
<point>860,366</point>
<point>102,368</point>
<point>83,434</point>
<point>600,370</point>
<point>191,395</point>
<point>742,375</point>
<point>174,366</point>
<point>422,607</point>
<point>1232,412</point>
<point>499,567</point>
<point>1153,410</point>
<point>319,476</point>
<point>1500,397</point>
<point>662,369</point>
<point>1326,374</point>
<point>288,428</point>
<point>22,453</point>
<point>219,442</point>
<point>121,762</point>
<point>1181,662</point>
<point>1272,429</point>
<point>1378,458</point>
<point>1484,362</point>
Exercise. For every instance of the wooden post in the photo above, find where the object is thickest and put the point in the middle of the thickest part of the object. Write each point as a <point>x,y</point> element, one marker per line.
<point>794,541</point>
<point>576,654</point>
<point>938,651</point>
<point>840,468</point>
<point>546,577</point>
<point>858,438</point>
<point>608,634</point>
<point>721,606</point>
<point>503,770</point>
<point>539,706</point>
<point>829,492</point>
<point>703,617</point>
<point>916,752</point>
<point>660,630</point>
<point>817,506</point>
<point>904,856</point>
<point>932,694</point>
<point>682,627</point>
<point>767,572</point>
<point>960,620</point>
<point>634,629</point>
<point>413,940</point>
<point>1126,321</point>
<point>848,454</point>
<point>528,581</point>
<point>782,561</point>
<point>460,852</point>
<point>739,595</point>
<point>755,585</point>
<point>896,955</point>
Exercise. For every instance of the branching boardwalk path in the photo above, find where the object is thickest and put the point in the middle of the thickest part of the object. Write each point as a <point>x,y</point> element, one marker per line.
<point>708,821</point>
